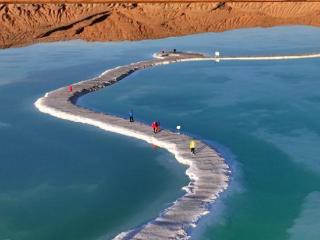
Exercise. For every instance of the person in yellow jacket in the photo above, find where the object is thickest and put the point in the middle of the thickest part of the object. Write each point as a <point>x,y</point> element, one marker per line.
<point>192,146</point>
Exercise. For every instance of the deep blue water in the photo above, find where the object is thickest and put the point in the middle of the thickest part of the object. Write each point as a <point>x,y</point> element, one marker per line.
<point>62,180</point>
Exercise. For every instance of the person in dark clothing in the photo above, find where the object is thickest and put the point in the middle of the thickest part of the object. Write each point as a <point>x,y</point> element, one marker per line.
<point>131,116</point>
<point>158,126</point>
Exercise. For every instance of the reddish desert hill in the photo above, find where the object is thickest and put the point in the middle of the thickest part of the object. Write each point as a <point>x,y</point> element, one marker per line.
<point>23,24</point>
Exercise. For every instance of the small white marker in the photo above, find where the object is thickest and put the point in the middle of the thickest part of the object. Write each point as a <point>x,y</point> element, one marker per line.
<point>217,56</point>
<point>178,129</point>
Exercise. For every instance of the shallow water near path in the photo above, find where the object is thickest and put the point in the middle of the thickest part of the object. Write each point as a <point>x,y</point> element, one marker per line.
<point>243,106</point>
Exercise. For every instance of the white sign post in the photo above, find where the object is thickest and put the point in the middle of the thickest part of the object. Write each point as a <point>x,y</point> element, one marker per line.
<point>217,56</point>
<point>178,129</point>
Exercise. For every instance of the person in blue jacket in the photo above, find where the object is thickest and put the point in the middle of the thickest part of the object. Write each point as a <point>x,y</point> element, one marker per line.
<point>131,116</point>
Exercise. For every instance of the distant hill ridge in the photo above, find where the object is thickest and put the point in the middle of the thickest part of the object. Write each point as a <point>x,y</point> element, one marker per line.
<point>22,24</point>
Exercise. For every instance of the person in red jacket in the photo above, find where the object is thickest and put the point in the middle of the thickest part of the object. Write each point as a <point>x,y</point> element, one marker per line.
<point>154,127</point>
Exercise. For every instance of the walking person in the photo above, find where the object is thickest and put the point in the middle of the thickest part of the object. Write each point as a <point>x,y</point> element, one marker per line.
<point>192,146</point>
<point>154,127</point>
<point>158,126</point>
<point>131,116</point>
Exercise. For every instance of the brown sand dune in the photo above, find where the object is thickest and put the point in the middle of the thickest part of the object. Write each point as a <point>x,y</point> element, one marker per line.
<point>22,24</point>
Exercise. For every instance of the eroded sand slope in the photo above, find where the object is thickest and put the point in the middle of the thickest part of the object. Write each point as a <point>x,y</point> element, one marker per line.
<point>22,24</point>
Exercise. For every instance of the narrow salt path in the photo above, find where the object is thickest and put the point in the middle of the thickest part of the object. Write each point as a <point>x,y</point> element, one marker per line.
<point>207,170</point>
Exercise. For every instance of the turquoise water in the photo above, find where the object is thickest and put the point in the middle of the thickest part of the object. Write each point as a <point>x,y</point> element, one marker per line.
<point>62,180</point>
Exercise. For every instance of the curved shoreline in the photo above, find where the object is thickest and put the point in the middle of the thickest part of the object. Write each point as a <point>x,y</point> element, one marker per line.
<point>207,170</point>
